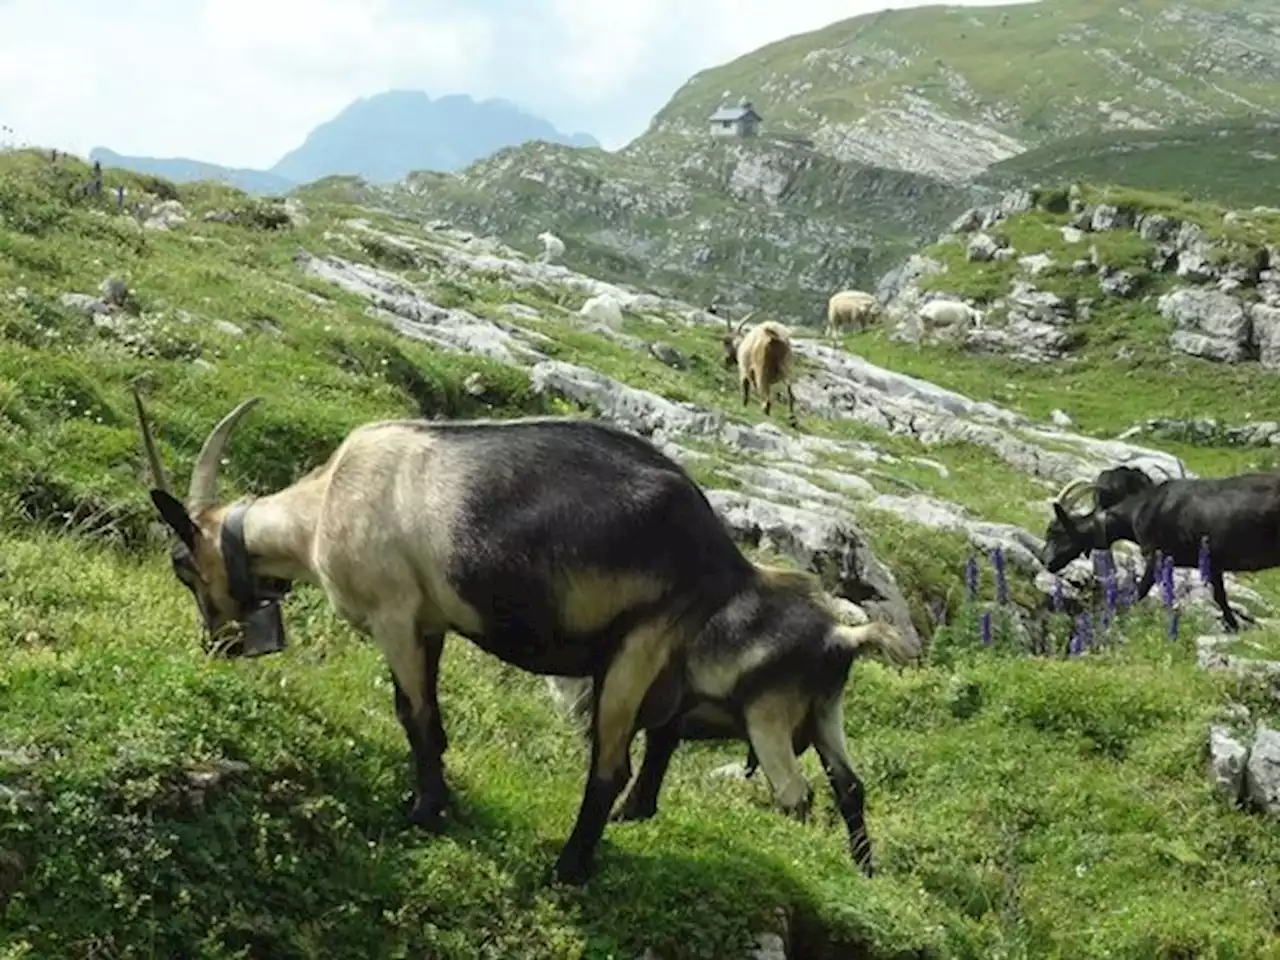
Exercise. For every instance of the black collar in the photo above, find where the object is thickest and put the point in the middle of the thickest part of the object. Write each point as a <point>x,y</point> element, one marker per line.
<point>246,589</point>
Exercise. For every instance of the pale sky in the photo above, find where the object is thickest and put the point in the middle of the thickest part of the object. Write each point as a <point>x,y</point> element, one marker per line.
<point>240,82</point>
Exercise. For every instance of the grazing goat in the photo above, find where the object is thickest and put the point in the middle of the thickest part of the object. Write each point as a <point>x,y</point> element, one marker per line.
<point>552,246</point>
<point>709,721</point>
<point>954,314</point>
<point>561,546</point>
<point>1238,516</point>
<point>856,308</point>
<point>763,358</point>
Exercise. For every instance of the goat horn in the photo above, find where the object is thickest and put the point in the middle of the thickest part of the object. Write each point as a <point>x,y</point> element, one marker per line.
<point>149,444</point>
<point>743,322</point>
<point>1168,474</point>
<point>204,479</point>
<point>1070,493</point>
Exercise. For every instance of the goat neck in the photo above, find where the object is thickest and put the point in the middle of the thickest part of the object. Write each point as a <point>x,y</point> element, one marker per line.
<point>279,530</point>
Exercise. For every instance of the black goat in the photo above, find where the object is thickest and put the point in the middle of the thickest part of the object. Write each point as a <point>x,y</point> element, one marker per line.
<point>1239,516</point>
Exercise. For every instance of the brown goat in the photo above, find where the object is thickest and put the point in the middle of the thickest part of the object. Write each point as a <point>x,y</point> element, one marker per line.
<point>763,357</point>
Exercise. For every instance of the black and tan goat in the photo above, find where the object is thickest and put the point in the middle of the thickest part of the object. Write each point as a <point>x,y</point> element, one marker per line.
<point>564,547</point>
<point>1239,517</point>
<point>763,358</point>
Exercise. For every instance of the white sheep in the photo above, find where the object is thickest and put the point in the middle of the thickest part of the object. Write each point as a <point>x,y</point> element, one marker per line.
<point>952,314</point>
<point>603,308</point>
<point>552,246</point>
<point>855,308</point>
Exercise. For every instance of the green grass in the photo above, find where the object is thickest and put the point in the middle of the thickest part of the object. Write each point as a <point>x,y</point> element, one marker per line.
<point>1223,162</point>
<point>1064,813</point>
<point>1011,55</point>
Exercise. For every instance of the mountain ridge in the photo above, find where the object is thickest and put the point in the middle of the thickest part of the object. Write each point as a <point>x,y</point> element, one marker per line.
<point>382,137</point>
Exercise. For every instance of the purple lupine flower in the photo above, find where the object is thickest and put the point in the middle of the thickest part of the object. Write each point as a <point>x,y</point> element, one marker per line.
<point>1206,568</point>
<point>1166,581</point>
<point>971,578</point>
<point>986,628</point>
<point>1084,630</point>
<point>1002,584</point>
<point>1059,601</point>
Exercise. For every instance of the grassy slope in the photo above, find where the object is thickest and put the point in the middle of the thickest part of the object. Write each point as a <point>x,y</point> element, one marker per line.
<point>1043,83</point>
<point>1068,815</point>
<point>1235,164</point>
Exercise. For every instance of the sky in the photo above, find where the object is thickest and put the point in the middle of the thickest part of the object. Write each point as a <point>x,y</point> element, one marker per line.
<point>241,82</point>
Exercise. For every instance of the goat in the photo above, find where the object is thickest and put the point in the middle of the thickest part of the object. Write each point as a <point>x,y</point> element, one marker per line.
<point>561,546</point>
<point>1238,516</point>
<point>853,307</point>
<point>709,721</point>
<point>763,358</point>
<point>552,246</point>
<point>946,313</point>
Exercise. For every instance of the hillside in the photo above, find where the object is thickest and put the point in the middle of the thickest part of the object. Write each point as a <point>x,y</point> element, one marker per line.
<point>380,138</point>
<point>946,91</point>
<point>769,224</point>
<point>185,170</point>
<point>1236,163</point>
<point>1029,793</point>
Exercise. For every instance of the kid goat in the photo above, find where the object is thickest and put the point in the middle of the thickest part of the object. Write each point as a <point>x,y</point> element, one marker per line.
<point>563,547</point>
<point>1239,516</point>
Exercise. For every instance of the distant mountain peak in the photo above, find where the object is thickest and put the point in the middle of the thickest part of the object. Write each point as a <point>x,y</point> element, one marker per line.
<point>388,135</point>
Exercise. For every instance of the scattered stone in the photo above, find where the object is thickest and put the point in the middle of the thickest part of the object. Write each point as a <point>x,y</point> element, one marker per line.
<point>474,384</point>
<point>1109,217</point>
<point>1036,263</point>
<point>1227,760</point>
<point>981,248</point>
<point>1072,235</point>
<point>1209,324</point>
<point>1119,283</point>
<point>1262,778</point>
<point>1059,418</point>
<point>229,328</point>
<point>665,353</point>
<point>84,303</point>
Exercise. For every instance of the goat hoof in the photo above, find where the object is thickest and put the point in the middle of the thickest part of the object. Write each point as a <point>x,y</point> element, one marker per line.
<point>633,811</point>
<point>573,871</point>
<point>428,815</point>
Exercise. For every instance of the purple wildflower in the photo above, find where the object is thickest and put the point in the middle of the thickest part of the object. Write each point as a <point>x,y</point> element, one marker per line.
<point>986,629</point>
<point>1166,581</point>
<point>1058,600</point>
<point>971,578</point>
<point>1206,568</point>
<point>1112,595</point>
<point>1002,584</point>
<point>1084,628</point>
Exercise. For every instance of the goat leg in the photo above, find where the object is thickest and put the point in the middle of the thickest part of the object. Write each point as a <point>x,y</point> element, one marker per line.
<point>620,695</point>
<point>846,787</point>
<point>1220,598</point>
<point>660,745</point>
<point>418,709</point>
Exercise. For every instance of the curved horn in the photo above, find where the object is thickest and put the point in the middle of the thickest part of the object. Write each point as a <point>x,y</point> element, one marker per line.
<point>149,444</point>
<point>1168,474</point>
<point>743,322</point>
<point>1072,492</point>
<point>204,479</point>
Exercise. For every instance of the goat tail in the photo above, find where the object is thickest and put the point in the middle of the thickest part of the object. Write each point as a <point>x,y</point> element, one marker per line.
<point>877,637</point>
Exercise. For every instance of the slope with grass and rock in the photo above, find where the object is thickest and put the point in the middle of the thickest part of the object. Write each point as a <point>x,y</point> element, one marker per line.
<point>1040,784</point>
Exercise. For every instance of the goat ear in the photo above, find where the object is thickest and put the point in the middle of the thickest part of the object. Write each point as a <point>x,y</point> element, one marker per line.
<point>175,515</point>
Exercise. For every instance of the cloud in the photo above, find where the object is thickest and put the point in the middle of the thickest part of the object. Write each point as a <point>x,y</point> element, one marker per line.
<point>242,82</point>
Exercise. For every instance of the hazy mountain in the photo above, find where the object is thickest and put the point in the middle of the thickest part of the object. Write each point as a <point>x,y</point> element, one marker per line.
<point>385,137</point>
<point>185,170</point>
<point>380,138</point>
